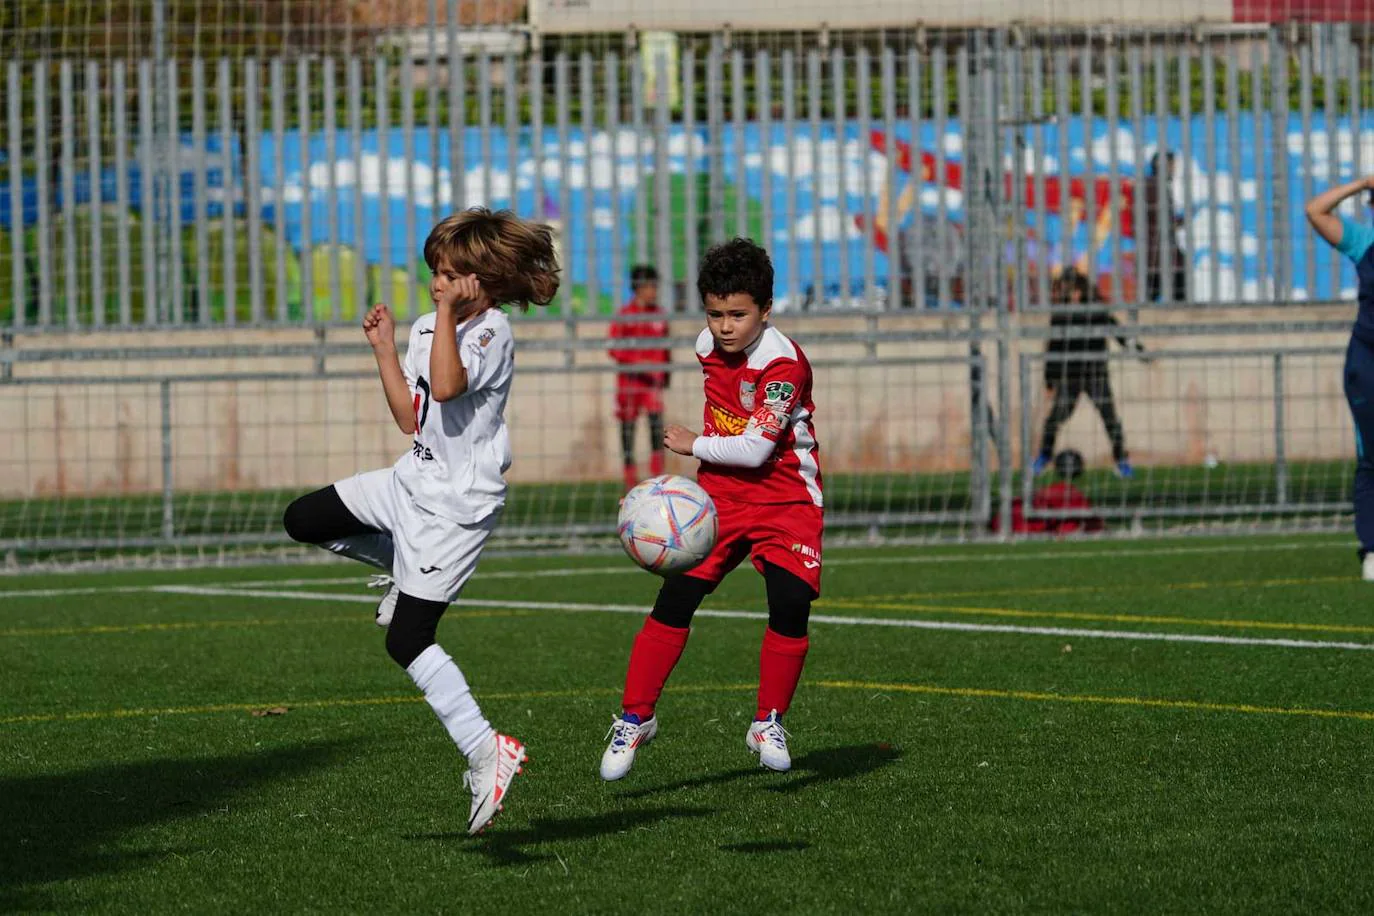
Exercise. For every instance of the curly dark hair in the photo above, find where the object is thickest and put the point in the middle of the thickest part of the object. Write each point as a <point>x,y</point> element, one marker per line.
<point>1068,464</point>
<point>737,266</point>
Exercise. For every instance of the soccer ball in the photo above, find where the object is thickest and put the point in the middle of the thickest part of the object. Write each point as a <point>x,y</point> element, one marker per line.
<point>667,524</point>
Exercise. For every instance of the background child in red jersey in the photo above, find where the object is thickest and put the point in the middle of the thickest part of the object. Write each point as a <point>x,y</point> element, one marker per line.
<point>1058,496</point>
<point>759,463</point>
<point>639,385</point>
<point>1062,495</point>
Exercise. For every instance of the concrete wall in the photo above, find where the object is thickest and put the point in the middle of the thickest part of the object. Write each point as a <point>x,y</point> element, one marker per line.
<point>78,432</point>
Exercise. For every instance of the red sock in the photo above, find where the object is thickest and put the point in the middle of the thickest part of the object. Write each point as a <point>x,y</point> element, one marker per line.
<point>655,463</point>
<point>780,667</point>
<point>656,650</point>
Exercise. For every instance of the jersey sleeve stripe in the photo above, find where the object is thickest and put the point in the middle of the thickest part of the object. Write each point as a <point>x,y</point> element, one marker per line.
<point>805,449</point>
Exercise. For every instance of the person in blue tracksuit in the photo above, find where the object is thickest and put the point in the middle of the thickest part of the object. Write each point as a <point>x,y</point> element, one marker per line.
<point>1356,242</point>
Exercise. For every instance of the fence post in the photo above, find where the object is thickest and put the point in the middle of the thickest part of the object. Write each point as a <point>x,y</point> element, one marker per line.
<point>1280,459</point>
<point>7,355</point>
<point>156,183</point>
<point>1003,441</point>
<point>980,481</point>
<point>979,105</point>
<point>168,520</point>
<point>662,189</point>
<point>1009,97</point>
<point>1027,415</point>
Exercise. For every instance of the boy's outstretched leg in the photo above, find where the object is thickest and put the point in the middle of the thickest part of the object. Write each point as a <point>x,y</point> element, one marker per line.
<point>655,444</point>
<point>781,659</point>
<point>657,648</point>
<point>1359,394</point>
<point>1100,392</point>
<point>494,760</point>
<point>1065,397</point>
<point>627,452</point>
<point>323,518</point>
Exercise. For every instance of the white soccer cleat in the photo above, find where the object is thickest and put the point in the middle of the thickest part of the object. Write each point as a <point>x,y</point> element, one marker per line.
<point>768,739</point>
<point>489,779</point>
<point>386,608</point>
<point>627,736</point>
<point>1367,567</point>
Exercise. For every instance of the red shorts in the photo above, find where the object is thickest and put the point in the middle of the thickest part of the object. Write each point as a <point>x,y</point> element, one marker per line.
<point>637,394</point>
<point>786,535</point>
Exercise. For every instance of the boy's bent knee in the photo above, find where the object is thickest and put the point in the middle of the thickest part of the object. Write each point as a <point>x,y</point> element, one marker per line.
<point>296,521</point>
<point>321,516</point>
<point>679,599</point>
<point>789,602</point>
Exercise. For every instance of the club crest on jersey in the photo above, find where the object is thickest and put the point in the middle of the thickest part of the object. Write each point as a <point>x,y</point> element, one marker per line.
<point>486,336</point>
<point>778,393</point>
<point>746,396</point>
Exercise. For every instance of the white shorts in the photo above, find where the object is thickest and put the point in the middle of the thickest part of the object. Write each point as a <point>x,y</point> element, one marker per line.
<point>434,556</point>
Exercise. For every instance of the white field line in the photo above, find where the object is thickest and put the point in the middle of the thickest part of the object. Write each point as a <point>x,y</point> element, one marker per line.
<point>357,580</point>
<point>627,568</point>
<point>953,626</point>
<point>66,592</point>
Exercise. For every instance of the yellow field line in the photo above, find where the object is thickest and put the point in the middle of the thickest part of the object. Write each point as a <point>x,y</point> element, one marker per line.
<point>1089,589</point>
<point>102,629</point>
<point>979,693</point>
<point>1142,702</point>
<point>341,702</point>
<point>859,605</point>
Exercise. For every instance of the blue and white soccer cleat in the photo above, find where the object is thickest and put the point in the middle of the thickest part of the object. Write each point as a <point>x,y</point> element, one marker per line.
<point>768,739</point>
<point>1041,463</point>
<point>1124,470</point>
<point>627,736</point>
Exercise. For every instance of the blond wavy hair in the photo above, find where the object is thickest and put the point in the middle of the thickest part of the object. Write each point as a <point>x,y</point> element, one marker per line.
<point>513,258</point>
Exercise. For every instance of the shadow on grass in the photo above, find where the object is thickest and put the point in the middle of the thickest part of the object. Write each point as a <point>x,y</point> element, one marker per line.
<point>812,768</point>
<point>68,826</point>
<point>518,846</point>
<point>507,847</point>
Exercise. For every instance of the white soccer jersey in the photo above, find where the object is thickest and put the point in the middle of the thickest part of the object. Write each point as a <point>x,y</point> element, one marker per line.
<point>461,449</point>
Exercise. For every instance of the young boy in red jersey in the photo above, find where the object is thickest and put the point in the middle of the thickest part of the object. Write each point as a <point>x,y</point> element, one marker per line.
<point>1056,497</point>
<point>1063,495</point>
<point>759,462</point>
<point>637,389</point>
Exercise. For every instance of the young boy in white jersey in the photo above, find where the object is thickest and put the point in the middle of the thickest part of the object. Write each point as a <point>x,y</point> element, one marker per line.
<point>760,464</point>
<point>424,519</point>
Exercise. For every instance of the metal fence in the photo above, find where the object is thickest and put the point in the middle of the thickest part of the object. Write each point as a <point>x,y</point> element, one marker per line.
<point>1286,411</point>
<point>192,449</point>
<point>221,221</point>
<point>882,171</point>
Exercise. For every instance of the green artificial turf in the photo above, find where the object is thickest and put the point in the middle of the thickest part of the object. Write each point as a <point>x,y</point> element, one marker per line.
<point>1053,734</point>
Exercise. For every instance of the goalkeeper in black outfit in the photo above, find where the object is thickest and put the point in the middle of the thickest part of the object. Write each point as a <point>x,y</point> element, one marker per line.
<point>1071,368</point>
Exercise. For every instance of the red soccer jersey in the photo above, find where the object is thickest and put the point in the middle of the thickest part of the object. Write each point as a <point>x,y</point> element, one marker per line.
<point>631,360</point>
<point>766,391</point>
<point>1061,496</point>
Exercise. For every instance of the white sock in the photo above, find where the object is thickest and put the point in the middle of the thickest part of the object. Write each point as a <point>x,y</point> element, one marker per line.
<point>373,549</point>
<point>446,691</point>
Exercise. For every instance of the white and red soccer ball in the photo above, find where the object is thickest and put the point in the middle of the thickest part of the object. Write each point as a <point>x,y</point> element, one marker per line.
<point>667,524</point>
